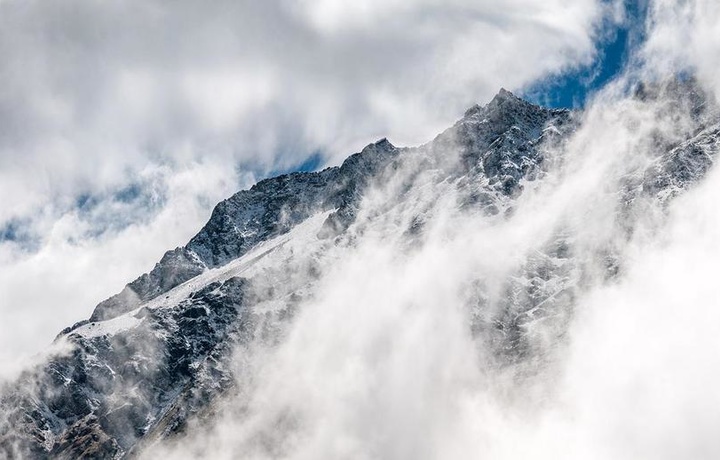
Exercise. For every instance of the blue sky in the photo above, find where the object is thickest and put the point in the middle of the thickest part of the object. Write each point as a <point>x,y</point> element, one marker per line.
<point>574,87</point>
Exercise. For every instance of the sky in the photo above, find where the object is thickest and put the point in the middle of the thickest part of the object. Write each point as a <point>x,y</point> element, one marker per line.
<point>124,123</point>
<point>572,87</point>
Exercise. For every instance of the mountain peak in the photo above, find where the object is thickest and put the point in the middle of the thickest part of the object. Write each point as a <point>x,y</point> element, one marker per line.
<point>505,98</point>
<point>502,100</point>
<point>383,144</point>
<point>504,94</point>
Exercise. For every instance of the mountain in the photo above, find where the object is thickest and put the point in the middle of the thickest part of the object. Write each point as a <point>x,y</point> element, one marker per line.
<point>158,359</point>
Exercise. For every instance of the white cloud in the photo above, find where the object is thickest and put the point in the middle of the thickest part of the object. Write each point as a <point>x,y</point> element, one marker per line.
<point>379,364</point>
<point>93,95</point>
<point>384,368</point>
<point>88,254</point>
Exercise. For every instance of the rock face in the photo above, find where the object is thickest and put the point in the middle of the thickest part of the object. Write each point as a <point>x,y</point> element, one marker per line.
<point>270,208</point>
<point>159,353</point>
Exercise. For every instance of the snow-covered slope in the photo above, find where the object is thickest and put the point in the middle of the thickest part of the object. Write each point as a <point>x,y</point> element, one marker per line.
<point>165,350</point>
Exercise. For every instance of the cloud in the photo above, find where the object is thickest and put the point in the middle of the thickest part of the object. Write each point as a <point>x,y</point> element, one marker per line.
<point>380,364</point>
<point>684,37</point>
<point>95,95</point>
<point>641,366</point>
<point>94,249</point>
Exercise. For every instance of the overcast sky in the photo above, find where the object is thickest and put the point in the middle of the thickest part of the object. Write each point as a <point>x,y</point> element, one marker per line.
<point>123,123</point>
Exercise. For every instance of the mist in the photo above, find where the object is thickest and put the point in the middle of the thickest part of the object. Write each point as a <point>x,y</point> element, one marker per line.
<point>98,99</point>
<point>381,361</point>
<point>382,341</point>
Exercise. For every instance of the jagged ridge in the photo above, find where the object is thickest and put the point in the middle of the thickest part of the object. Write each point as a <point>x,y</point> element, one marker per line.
<point>178,323</point>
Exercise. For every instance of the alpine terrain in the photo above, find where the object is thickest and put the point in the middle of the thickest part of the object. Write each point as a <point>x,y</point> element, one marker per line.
<point>318,312</point>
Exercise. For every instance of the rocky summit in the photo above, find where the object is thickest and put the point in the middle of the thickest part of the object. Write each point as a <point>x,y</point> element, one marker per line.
<point>158,359</point>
